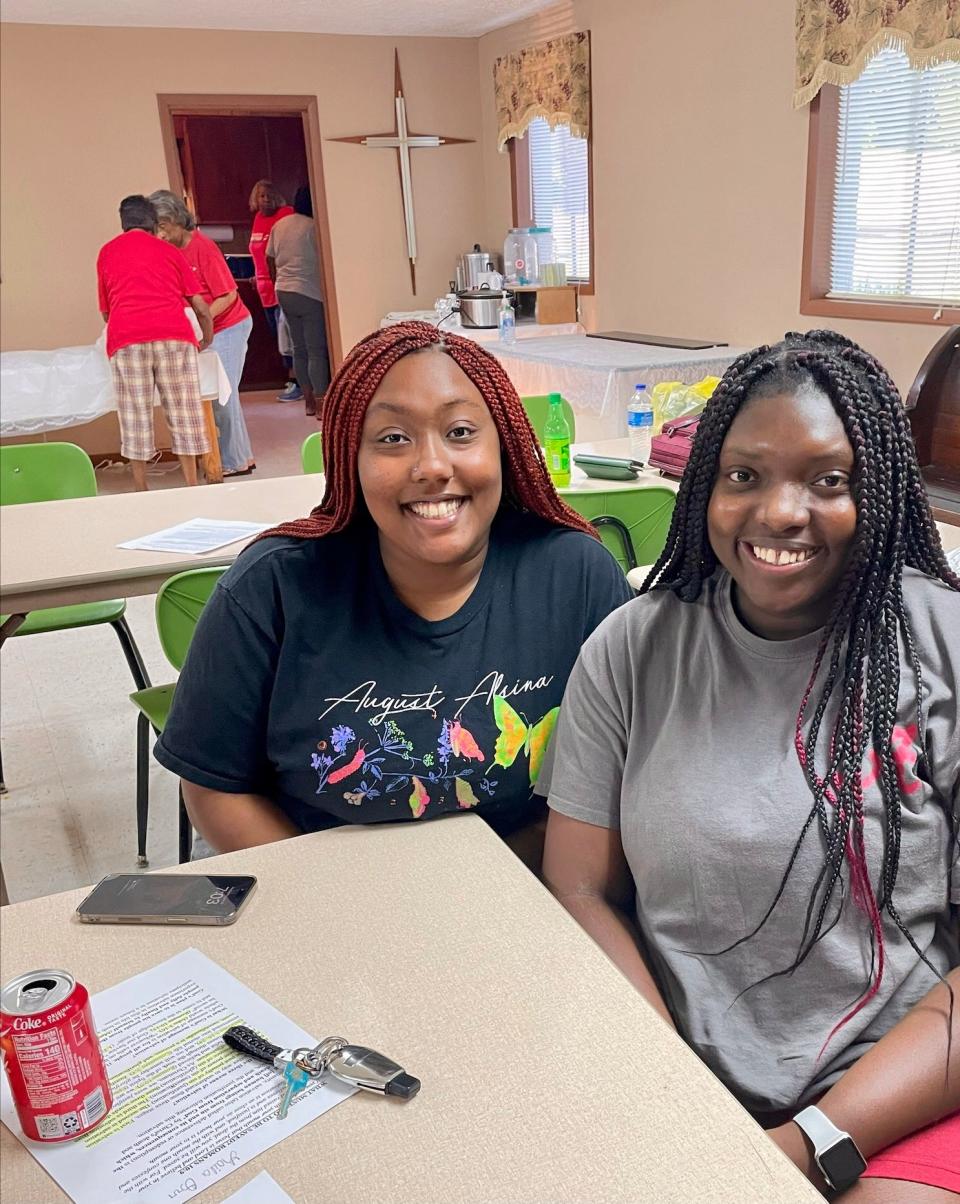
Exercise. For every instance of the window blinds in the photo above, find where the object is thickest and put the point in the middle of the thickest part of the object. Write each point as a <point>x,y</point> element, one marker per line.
<point>896,218</point>
<point>559,186</point>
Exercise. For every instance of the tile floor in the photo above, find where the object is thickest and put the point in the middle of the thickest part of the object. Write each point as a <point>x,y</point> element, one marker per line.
<point>68,728</point>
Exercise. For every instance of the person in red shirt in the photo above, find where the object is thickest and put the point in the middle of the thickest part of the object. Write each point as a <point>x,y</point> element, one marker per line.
<point>143,286</point>
<point>232,322</point>
<point>268,207</point>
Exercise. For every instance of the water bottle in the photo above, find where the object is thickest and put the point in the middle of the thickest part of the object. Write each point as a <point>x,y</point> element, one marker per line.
<point>640,424</point>
<point>506,321</point>
<point>556,437</point>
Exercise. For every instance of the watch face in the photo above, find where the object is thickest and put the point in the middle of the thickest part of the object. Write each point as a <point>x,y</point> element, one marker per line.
<point>842,1163</point>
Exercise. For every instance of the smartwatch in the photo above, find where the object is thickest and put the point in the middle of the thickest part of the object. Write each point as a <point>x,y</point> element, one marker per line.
<point>835,1152</point>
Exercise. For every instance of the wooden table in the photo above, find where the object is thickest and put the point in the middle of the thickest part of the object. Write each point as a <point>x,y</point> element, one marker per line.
<point>545,1076</point>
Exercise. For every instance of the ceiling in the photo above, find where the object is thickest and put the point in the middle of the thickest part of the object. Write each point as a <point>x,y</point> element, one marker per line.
<point>390,18</point>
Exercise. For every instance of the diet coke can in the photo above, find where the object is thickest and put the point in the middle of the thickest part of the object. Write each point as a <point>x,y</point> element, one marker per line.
<point>52,1056</point>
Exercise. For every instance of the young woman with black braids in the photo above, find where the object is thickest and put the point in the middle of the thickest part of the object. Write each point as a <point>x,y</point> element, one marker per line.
<point>755,780</point>
<point>400,654</point>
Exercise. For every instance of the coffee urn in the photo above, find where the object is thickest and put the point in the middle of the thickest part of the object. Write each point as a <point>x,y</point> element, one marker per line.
<point>471,265</point>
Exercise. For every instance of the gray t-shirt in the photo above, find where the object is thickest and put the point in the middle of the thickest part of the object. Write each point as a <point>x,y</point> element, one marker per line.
<point>293,244</point>
<point>677,726</point>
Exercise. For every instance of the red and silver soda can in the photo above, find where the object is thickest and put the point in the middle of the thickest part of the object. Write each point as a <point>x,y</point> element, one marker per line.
<point>52,1056</point>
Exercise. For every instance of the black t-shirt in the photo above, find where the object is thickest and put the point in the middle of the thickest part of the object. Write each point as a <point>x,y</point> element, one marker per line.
<point>310,682</point>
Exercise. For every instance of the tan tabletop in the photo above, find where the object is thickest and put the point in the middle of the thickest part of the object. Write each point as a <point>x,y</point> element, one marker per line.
<point>545,1076</point>
<point>58,553</point>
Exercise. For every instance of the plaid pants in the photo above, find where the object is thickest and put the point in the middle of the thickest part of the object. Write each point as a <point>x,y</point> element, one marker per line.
<point>167,367</point>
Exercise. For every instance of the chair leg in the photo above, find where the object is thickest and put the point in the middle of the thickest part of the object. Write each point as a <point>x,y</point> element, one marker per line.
<point>143,786</point>
<point>132,653</point>
<point>186,830</point>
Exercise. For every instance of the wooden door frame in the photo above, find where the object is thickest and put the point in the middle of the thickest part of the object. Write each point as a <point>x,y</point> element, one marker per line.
<point>304,107</point>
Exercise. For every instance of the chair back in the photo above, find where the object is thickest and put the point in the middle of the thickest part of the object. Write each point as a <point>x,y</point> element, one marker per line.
<point>311,453</point>
<point>179,604</point>
<point>633,523</point>
<point>537,409</point>
<point>44,472</point>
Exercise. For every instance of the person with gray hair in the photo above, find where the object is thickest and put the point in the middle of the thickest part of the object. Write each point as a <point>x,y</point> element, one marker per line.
<point>232,321</point>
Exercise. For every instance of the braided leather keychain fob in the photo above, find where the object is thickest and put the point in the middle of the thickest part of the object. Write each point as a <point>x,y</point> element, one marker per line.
<point>246,1041</point>
<point>354,1064</point>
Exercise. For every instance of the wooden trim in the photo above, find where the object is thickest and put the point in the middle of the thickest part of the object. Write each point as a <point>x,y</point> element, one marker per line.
<point>215,105</point>
<point>588,287</point>
<point>818,231</point>
<point>923,315</point>
<point>519,185</point>
<point>818,206</point>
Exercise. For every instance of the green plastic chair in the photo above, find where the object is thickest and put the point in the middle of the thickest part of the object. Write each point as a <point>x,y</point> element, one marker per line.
<point>311,453</point>
<point>180,602</point>
<point>47,472</point>
<point>537,409</point>
<point>633,523</point>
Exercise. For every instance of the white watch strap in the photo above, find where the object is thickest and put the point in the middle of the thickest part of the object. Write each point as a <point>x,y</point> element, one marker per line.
<point>819,1128</point>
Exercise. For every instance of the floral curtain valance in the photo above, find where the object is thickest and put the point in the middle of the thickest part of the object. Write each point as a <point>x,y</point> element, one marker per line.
<point>837,38</point>
<point>551,80</point>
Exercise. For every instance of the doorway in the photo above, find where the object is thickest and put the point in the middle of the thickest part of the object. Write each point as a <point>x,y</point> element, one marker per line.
<point>216,148</point>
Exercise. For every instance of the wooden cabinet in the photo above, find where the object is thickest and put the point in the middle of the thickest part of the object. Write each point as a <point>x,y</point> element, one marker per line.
<point>934,405</point>
<point>222,157</point>
<point>264,367</point>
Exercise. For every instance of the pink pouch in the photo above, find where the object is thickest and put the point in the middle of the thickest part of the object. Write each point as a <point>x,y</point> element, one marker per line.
<point>670,450</point>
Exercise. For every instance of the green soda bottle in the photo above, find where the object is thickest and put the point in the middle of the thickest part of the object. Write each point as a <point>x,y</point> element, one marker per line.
<point>556,436</point>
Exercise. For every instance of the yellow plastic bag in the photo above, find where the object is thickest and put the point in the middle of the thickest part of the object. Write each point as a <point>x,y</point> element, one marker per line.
<point>673,399</point>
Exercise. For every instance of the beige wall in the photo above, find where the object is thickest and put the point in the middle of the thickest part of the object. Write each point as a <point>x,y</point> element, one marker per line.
<point>699,164</point>
<point>79,129</point>
<point>699,172</point>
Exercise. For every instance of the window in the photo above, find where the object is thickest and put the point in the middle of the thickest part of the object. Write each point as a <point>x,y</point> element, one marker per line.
<point>551,181</point>
<point>882,232</point>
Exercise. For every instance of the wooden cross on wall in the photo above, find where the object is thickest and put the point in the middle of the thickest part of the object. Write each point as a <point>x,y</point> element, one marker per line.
<point>402,141</point>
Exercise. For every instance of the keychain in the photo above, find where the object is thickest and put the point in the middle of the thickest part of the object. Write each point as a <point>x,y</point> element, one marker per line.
<point>353,1064</point>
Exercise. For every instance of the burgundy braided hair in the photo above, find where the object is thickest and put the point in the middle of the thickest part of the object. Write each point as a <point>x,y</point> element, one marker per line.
<point>858,657</point>
<point>526,485</point>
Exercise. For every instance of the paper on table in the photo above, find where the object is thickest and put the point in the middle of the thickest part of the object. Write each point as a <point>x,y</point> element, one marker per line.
<point>187,1110</point>
<point>262,1189</point>
<point>196,535</point>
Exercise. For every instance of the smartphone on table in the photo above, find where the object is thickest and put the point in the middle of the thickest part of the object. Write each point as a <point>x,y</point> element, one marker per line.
<point>167,899</point>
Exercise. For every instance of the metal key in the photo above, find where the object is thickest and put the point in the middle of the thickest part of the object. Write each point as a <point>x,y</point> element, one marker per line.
<point>295,1078</point>
<point>354,1064</point>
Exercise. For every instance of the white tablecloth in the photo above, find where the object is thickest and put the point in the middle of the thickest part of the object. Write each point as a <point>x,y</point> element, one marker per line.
<point>50,390</point>
<point>597,376</point>
<point>486,334</point>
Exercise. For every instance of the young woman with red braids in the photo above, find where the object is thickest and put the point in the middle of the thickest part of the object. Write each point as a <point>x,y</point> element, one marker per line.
<point>755,781</point>
<point>401,653</point>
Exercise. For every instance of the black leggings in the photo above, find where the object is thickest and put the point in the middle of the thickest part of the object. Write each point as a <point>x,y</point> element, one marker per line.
<point>311,362</point>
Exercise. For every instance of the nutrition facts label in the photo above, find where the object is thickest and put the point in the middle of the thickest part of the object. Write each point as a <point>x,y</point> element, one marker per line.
<point>50,1070</point>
